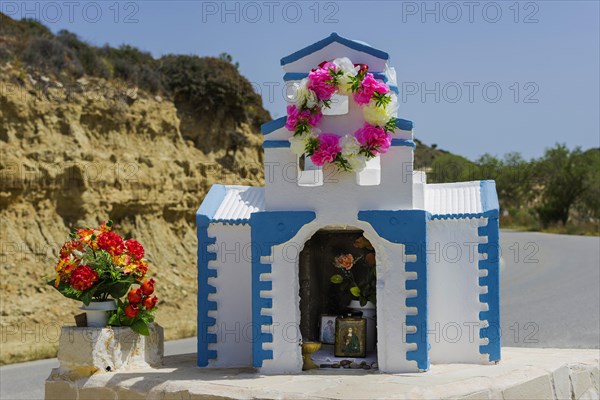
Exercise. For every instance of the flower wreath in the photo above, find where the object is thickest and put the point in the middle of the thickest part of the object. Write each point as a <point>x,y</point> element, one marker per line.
<point>347,153</point>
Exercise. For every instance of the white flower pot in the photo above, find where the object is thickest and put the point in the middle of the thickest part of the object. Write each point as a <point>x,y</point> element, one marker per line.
<point>97,312</point>
<point>369,311</point>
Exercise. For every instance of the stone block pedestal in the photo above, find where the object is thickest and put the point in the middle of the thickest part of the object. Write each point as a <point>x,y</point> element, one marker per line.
<point>86,351</point>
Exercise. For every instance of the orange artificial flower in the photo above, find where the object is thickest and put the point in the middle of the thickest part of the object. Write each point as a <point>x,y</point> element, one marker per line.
<point>345,261</point>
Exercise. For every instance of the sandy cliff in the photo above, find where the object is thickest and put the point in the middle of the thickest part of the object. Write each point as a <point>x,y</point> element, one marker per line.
<point>79,152</point>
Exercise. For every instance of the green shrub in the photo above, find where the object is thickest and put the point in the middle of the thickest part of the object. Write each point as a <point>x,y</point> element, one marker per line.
<point>87,55</point>
<point>212,86</point>
<point>52,55</point>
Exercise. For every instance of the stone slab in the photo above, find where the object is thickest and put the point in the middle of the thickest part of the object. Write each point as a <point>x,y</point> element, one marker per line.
<point>523,374</point>
<point>86,351</point>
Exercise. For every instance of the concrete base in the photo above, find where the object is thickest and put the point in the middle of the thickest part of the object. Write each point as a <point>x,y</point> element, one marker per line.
<point>522,374</point>
<point>86,351</point>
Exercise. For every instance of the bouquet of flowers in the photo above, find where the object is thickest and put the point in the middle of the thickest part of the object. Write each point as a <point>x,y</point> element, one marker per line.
<point>365,289</point>
<point>96,264</point>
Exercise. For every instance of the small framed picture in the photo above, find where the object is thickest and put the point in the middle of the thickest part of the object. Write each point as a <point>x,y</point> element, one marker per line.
<point>350,337</point>
<point>327,335</point>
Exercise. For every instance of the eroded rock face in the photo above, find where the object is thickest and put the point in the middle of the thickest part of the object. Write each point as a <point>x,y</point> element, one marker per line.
<point>78,153</point>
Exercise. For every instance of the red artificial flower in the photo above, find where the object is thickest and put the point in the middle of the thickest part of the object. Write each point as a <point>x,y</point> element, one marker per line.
<point>134,296</point>
<point>141,267</point>
<point>148,287</point>
<point>105,227</point>
<point>83,278</point>
<point>135,249</point>
<point>362,67</point>
<point>68,247</point>
<point>111,242</point>
<point>150,302</point>
<point>64,268</point>
<point>85,236</point>
<point>131,310</point>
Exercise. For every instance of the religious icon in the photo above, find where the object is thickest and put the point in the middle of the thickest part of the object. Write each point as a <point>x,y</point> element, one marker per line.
<point>350,337</point>
<point>328,329</point>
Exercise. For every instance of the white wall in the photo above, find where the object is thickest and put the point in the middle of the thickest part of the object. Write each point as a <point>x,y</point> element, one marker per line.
<point>233,296</point>
<point>453,289</point>
<point>339,189</point>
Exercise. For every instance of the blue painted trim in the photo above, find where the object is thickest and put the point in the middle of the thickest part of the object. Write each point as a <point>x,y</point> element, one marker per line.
<point>489,198</point>
<point>492,264</point>
<point>271,126</point>
<point>409,227</point>
<point>298,76</point>
<point>205,322</point>
<point>275,144</point>
<point>204,217</point>
<point>212,200</point>
<point>404,124</point>
<point>294,76</point>
<point>487,214</point>
<point>380,75</point>
<point>268,228</point>
<point>334,37</point>
<point>238,221</point>
<point>403,142</point>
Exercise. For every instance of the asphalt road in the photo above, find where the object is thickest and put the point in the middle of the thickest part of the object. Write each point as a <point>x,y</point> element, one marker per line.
<point>550,291</point>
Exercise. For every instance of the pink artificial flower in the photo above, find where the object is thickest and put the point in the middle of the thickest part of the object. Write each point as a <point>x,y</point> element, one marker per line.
<point>292,119</point>
<point>366,89</point>
<point>315,117</point>
<point>294,116</point>
<point>374,138</point>
<point>327,150</point>
<point>318,81</point>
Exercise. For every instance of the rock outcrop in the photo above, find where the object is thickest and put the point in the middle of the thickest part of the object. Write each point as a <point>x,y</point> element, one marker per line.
<point>76,153</point>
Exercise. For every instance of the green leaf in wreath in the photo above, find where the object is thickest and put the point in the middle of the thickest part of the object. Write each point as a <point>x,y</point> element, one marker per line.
<point>140,327</point>
<point>355,290</point>
<point>337,279</point>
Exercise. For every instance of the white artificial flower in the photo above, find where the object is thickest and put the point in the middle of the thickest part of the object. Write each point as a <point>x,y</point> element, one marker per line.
<point>302,94</point>
<point>350,71</point>
<point>349,145</point>
<point>378,116</point>
<point>357,163</point>
<point>391,74</point>
<point>345,85</point>
<point>350,148</point>
<point>298,143</point>
<point>346,65</point>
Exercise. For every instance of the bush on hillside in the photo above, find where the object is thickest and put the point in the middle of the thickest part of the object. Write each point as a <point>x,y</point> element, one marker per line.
<point>52,55</point>
<point>212,86</point>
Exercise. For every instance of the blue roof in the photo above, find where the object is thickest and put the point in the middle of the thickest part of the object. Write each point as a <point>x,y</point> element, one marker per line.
<point>334,37</point>
<point>271,126</point>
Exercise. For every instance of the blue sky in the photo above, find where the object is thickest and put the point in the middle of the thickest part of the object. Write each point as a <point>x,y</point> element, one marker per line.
<point>476,77</point>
